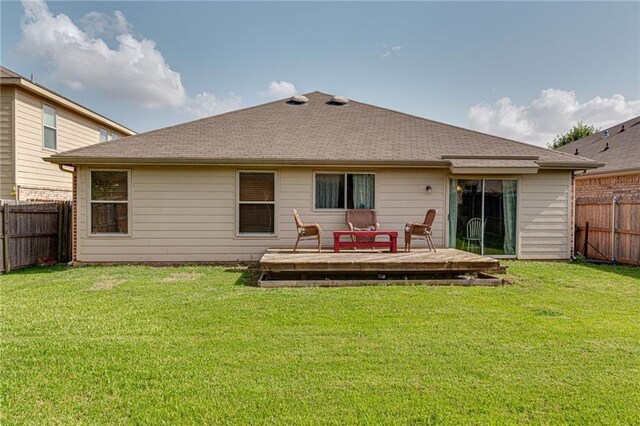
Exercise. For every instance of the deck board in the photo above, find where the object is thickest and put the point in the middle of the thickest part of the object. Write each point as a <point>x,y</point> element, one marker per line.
<point>421,260</point>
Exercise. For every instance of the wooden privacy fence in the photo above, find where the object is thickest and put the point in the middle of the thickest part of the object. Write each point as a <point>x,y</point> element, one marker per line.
<point>608,228</point>
<point>33,230</point>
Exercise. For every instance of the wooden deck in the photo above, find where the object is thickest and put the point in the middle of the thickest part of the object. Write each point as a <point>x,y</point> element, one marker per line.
<point>417,261</point>
<point>306,268</point>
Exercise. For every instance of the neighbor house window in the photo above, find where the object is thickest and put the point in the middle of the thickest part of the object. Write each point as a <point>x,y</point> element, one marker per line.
<point>50,128</point>
<point>109,201</point>
<point>256,202</point>
<point>345,190</point>
<point>107,135</point>
<point>104,134</point>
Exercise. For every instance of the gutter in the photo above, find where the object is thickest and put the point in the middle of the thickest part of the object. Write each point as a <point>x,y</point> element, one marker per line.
<point>69,160</point>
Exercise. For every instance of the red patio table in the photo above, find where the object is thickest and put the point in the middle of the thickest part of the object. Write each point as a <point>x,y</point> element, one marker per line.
<point>392,244</point>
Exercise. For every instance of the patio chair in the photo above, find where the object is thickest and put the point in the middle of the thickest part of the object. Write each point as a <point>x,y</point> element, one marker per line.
<point>309,231</point>
<point>362,220</point>
<point>473,234</point>
<point>422,230</point>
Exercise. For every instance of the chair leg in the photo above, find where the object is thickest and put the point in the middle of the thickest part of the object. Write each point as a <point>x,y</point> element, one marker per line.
<point>430,241</point>
<point>295,247</point>
<point>319,245</point>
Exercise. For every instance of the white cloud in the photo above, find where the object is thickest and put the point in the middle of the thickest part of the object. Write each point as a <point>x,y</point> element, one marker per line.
<point>553,112</point>
<point>388,50</point>
<point>280,90</point>
<point>206,104</point>
<point>134,70</point>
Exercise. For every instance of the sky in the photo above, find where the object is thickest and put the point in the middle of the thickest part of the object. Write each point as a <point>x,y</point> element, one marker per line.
<point>521,70</point>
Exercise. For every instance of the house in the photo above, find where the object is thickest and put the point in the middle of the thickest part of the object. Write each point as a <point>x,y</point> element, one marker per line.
<point>606,206</point>
<point>36,122</point>
<point>223,188</point>
<point>619,148</point>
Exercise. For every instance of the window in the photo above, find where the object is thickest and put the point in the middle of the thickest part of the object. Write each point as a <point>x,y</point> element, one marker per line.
<point>104,134</point>
<point>256,202</point>
<point>109,202</point>
<point>345,190</point>
<point>49,120</point>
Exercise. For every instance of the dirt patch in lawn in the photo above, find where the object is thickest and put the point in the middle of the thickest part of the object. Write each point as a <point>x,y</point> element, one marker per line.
<point>105,284</point>
<point>182,276</point>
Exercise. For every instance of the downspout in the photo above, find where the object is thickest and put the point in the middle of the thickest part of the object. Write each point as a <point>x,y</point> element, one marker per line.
<point>74,213</point>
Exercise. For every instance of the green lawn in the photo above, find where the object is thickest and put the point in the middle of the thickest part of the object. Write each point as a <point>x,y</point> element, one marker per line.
<point>196,345</point>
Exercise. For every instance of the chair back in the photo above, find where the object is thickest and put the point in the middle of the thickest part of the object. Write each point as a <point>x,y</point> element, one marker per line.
<point>296,216</point>
<point>362,218</point>
<point>474,228</point>
<point>429,218</point>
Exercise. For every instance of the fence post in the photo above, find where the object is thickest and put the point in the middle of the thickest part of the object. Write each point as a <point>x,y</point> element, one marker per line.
<point>60,234</point>
<point>586,239</point>
<point>5,239</point>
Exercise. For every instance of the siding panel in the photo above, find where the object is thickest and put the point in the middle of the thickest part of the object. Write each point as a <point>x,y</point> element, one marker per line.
<point>182,214</point>
<point>6,143</point>
<point>544,215</point>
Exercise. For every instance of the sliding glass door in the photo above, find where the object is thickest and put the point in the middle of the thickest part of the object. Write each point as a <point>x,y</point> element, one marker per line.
<point>482,215</point>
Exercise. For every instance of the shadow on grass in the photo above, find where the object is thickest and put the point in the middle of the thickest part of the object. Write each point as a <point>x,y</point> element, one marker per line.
<point>625,270</point>
<point>249,277</point>
<point>38,270</point>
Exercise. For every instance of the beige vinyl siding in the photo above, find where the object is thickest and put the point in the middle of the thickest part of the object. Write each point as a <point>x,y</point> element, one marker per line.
<point>6,143</point>
<point>545,200</point>
<point>188,213</point>
<point>73,131</point>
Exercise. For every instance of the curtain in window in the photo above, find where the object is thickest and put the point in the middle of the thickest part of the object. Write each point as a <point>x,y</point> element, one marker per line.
<point>329,191</point>
<point>509,199</point>
<point>363,191</point>
<point>453,212</point>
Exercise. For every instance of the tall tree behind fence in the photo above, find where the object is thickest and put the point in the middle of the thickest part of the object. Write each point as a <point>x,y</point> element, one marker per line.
<point>608,228</point>
<point>34,230</point>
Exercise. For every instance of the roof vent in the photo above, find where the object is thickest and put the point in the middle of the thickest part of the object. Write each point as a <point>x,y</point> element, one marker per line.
<point>606,133</point>
<point>340,100</point>
<point>606,147</point>
<point>576,152</point>
<point>622,129</point>
<point>299,99</point>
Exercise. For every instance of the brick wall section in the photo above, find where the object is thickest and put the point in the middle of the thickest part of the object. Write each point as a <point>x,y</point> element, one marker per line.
<point>627,184</point>
<point>26,193</point>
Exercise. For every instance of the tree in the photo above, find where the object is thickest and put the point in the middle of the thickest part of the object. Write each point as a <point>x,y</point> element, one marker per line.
<point>578,131</point>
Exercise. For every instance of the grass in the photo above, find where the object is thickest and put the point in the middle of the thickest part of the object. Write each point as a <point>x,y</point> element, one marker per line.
<point>195,345</point>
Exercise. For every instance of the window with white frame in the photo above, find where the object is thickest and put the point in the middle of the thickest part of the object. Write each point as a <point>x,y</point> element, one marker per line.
<point>109,200</point>
<point>104,134</point>
<point>344,191</point>
<point>107,135</point>
<point>256,202</point>
<point>50,130</point>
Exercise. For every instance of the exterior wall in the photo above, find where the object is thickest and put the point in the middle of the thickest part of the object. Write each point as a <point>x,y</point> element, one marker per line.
<point>184,214</point>
<point>545,215</point>
<point>37,179</point>
<point>608,186</point>
<point>188,214</point>
<point>7,176</point>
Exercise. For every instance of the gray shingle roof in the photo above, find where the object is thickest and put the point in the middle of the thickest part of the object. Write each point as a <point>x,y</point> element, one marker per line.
<point>316,132</point>
<point>624,147</point>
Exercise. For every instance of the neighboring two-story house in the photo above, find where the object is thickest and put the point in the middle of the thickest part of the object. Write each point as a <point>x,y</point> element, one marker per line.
<point>36,122</point>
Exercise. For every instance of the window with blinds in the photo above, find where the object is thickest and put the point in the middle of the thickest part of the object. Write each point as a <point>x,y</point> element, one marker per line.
<point>109,201</point>
<point>256,202</point>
